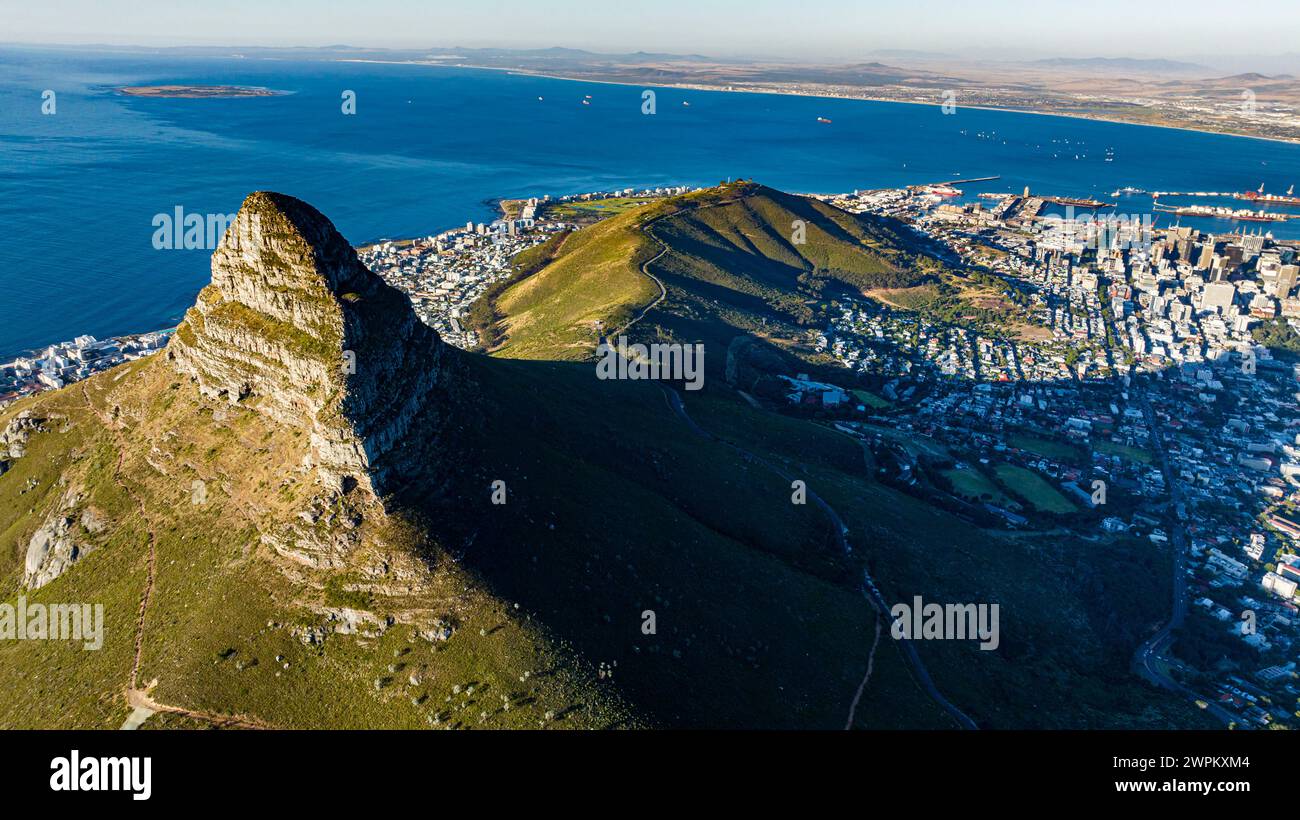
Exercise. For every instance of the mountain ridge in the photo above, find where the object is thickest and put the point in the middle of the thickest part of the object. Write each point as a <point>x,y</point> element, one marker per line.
<point>290,324</point>
<point>530,546</point>
<point>738,258</point>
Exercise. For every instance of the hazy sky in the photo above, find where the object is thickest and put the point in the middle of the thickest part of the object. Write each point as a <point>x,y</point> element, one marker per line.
<point>790,28</point>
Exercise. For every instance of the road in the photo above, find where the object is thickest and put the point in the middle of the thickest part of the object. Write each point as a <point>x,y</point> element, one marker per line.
<point>663,291</point>
<point>645,268</point>
<point>1149,657</point>
<point>869,589</point>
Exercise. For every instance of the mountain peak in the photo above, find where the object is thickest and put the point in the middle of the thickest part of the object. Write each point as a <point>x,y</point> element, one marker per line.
<point>293,241</point>
<point>294,326</point>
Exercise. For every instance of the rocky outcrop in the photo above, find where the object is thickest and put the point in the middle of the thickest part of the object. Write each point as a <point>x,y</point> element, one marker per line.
<point>13,438</point>
<point>294,326</point>
<point>59,542</point>
<point>322,537</point>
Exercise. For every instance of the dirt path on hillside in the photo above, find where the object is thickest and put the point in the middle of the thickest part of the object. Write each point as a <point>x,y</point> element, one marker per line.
<point>153,539</point>
<point>137,698</point>
<point>868,589</point>
<point>871,665</point>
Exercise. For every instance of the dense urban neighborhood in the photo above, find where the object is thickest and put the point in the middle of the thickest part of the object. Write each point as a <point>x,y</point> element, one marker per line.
<point>61,364</point>
<point>1144,378</point>
<point>444,274</point>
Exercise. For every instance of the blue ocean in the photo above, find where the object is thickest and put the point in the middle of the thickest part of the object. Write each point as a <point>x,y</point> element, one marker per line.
<point>429,147</point>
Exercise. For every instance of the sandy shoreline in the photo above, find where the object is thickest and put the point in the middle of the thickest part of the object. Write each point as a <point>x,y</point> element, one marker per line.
<point>776,92</point>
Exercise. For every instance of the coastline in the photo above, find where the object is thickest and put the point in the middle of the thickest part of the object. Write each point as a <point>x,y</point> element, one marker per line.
<point>810,95</point>
<point>492,207</point>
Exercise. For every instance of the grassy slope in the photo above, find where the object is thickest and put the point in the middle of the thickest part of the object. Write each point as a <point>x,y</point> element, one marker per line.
<point>614,507</point>
<point>731,266</point>
<point>733,263</point>
<point>1071,611</point>
<point>552,314</point>
<point>744,239</point>
<point>219,589</point>
<point>48,683</point>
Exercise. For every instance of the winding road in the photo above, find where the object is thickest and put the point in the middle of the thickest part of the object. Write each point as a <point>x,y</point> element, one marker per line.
<point>1149,659</point>
<point>869,589</point>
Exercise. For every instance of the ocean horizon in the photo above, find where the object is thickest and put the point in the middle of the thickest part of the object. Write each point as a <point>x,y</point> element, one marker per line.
<point>431,147</point>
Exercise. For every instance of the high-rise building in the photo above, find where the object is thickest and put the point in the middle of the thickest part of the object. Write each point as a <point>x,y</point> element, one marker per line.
<point>1207,257</point>
<point>1287,276</point>
<point>1218,271</point>
<point>1218,295</point>
<point>1252,244</point>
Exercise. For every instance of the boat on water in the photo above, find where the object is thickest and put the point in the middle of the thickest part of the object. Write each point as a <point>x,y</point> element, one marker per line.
<point>1078,203</point>
<point>823,119</point>
<point>1259,216</point>
<point>1260,196</point>
<point>1221,212</point>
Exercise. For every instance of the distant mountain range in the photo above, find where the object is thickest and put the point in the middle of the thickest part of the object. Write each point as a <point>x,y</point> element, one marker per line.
<point>1124,64</point>
<point>561,54</point>
<point>574,54</point>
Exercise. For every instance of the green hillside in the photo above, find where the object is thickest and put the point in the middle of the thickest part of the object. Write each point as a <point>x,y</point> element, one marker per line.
<point>225,630</point>
<point>740,257</point>
<point>613,507</point>
<point>596,277</point>
<point>508,575</point>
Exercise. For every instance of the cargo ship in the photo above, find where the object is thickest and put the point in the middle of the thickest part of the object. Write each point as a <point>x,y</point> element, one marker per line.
<point>1220,212</point>
<point>1077,203</point>
<point>1260,196</point>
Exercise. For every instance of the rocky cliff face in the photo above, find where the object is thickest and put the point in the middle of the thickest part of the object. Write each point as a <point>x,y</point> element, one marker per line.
<point>295,326</point>
<point>60,541</point>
